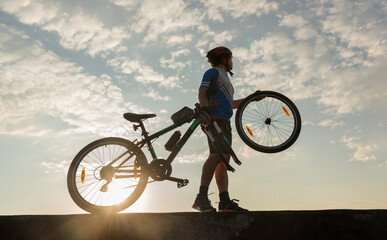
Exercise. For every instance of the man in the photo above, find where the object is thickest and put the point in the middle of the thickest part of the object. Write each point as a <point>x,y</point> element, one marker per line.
<point>219,103</point>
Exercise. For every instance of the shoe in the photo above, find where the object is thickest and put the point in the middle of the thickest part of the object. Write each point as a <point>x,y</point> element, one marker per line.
<point>203,204</point>
<point>231,206</point>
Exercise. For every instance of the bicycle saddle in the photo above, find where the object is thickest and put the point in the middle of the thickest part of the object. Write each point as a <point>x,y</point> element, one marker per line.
<point>133,117</point>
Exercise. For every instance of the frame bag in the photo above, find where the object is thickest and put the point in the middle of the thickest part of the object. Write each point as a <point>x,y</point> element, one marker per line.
<point>181,114</point>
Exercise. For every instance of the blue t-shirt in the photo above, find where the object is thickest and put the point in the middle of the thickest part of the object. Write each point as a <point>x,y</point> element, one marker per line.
<point>221,103</point>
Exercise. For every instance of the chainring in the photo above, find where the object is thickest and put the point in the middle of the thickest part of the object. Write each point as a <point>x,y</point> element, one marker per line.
<point>160,169</point>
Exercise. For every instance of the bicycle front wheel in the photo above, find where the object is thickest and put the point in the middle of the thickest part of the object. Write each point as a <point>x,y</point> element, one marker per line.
<point>268,121</point>
<point>97,185</point>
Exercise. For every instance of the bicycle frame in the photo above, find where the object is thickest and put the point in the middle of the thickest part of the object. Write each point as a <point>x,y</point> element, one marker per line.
<point>135,171</point>
<point>147,141</point>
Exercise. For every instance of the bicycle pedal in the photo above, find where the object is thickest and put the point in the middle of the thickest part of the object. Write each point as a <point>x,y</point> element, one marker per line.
<point>182,183</point>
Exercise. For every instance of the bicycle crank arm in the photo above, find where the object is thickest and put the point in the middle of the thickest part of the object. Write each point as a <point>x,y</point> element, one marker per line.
<point>105,187</point>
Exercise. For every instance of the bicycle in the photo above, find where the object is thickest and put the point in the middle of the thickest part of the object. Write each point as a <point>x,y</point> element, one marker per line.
<point>110,174</point>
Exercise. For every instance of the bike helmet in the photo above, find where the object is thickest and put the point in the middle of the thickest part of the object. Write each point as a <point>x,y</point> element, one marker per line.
<point>216,55</point>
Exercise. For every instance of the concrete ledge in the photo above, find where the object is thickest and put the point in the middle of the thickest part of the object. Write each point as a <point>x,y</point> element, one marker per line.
<point>314,225</point>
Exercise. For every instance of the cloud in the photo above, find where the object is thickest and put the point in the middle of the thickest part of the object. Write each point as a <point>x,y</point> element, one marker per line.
<point>359,24</point>
<point>308,123</point>
<point>193,158</point>
<point>35,84</point>
<point>144,74</point>
<point>331,123</point>
<point>57,167</point>
<point>156,96</point>
<point>82,32</point>
<point>303,30</point>
<point>277,62</point>
<point>305,33</point>
<point>352,91</point>
<point>237,9</point>
<point>172,63</point>
<point>164,17</point>
<point>382,124</point>
<point>338,62</point>
<point>178,39</point>
<point>292,20</point>
<point>363,152</point>
<point>245,152</point>
<point>77,30</point>
<point>221,38</point>
<point>36,12</point>
<point>163,20</point>
<point>129,5</point>
<point>357,77</point>
<point>211,39</point>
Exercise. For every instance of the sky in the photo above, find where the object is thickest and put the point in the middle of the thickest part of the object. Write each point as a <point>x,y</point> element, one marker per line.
<point>70,69</point>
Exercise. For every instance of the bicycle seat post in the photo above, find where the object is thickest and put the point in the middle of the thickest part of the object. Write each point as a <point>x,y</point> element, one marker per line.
<point>143,131</point>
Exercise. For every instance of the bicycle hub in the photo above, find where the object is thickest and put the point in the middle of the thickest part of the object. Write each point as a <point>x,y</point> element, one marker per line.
<point>107,173</point>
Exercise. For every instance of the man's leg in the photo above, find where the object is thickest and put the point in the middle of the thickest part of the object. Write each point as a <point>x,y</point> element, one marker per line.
<point>209,168</point>
<point>202,203</point>
<point>221,175</point>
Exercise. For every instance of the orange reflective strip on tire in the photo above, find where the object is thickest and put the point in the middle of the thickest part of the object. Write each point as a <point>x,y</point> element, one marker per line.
<point>135,172</point>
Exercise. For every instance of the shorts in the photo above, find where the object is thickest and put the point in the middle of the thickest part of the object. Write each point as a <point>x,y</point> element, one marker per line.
<point>225,126</point>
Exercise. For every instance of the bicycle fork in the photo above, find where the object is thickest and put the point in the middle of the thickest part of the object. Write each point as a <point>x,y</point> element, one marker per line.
<point>218,140</point>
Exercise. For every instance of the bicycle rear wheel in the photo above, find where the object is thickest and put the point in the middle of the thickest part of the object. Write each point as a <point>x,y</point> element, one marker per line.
<point>268,121</point>
<point>90,172</point>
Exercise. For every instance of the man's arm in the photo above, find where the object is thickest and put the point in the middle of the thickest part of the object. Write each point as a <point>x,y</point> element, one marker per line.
<point>203,100</point>
<point>237,103</point>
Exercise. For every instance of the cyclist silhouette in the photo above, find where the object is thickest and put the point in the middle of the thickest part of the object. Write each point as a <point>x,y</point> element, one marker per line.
<point>111,173</point>
<point>216,98</point>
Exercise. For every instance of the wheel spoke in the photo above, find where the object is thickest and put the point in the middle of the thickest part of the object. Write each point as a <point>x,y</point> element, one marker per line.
<point>93,160</point>
<point>274,122</point>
